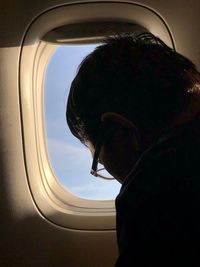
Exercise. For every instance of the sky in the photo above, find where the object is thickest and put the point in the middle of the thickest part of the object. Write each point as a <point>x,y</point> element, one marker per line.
<point>70,160</point>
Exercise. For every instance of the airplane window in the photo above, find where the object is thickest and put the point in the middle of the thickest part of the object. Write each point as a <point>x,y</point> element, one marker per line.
<point>70,160</point>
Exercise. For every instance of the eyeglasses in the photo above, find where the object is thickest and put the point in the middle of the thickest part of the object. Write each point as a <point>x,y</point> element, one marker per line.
<point>99,171</point>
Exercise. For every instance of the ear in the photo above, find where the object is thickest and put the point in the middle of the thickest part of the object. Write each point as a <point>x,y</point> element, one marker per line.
<point>123,124</point>
<point>113,117</point>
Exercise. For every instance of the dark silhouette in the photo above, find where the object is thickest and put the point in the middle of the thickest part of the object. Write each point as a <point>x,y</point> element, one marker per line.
<point>135,104</point>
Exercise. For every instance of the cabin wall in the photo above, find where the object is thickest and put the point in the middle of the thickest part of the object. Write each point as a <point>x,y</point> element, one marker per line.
<point>26,237</point>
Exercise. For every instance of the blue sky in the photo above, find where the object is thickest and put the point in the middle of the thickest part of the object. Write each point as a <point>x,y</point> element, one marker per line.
<point>70,160</point>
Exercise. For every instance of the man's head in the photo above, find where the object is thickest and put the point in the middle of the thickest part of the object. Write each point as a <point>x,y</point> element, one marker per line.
<point>131,87</point>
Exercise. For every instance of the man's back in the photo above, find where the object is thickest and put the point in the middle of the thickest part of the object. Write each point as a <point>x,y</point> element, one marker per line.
<point>158,208</point>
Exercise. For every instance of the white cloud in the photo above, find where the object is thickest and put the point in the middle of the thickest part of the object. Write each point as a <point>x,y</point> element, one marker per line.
<point>105,190</point>
<point>89,188</point>
<point>64,154</point>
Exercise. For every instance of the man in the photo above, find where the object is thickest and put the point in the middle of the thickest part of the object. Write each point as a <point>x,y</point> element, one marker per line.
<point>135,104</point>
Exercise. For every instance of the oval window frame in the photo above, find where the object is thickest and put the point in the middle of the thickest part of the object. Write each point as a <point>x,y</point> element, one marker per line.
<point>52,201</point>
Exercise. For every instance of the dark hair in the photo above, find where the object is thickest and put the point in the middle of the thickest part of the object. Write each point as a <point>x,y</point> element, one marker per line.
<point>137,76</point>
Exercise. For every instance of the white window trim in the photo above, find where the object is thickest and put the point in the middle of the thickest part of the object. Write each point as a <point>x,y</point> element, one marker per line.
<point>56,204</point>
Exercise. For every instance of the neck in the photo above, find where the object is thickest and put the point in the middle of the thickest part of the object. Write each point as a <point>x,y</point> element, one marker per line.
<point>189,113</point>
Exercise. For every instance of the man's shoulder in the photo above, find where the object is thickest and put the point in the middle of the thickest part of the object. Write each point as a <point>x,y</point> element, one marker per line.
<point>158,205</point>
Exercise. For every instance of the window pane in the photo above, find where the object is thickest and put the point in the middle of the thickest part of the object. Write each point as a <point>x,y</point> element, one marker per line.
<point>70,160</point>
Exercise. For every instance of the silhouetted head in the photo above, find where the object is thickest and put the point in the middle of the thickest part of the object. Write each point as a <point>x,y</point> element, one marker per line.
<point>132,86</point>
